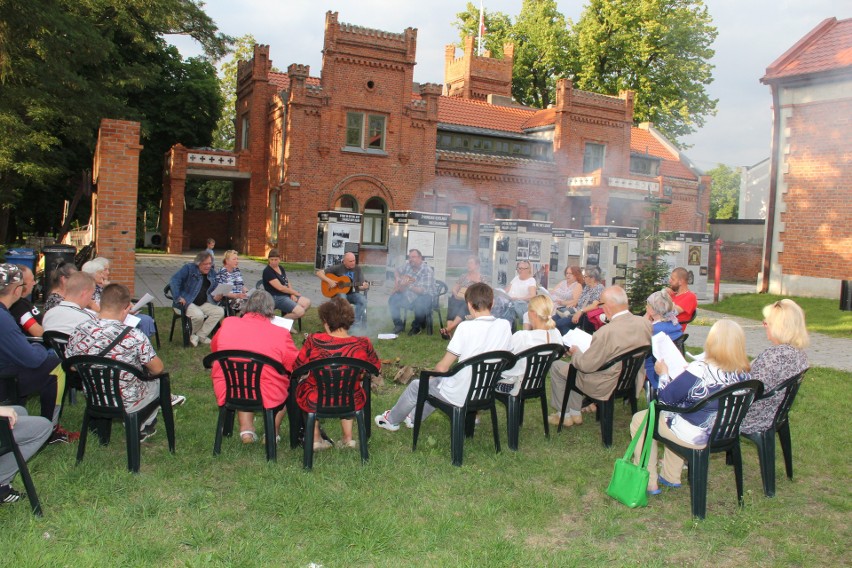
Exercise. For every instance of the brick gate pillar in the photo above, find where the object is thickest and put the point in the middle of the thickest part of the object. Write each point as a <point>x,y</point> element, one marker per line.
<point>116,173</point>
<point>174,197</point>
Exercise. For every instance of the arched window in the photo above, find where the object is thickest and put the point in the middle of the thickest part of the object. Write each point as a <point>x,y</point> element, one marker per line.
<point>460,227</point>
<point>374,222</point>
<point>346,203</point>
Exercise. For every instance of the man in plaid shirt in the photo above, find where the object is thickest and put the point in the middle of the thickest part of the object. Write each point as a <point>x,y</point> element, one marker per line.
<point>414,287</point>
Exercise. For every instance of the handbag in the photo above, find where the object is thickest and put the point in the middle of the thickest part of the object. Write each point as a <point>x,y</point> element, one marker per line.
<point>629,483</point>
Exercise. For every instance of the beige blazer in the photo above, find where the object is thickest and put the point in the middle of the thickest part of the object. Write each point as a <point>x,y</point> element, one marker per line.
<point>622,334</point>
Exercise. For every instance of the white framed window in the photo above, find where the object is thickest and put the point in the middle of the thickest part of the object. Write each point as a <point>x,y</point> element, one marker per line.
<point>593,157</point>
<point>346,203</point>
<point>502,213</point>
<point>460,227</point>
<point>540,215</point>
<point>365,131</point>
<point>374,222</point>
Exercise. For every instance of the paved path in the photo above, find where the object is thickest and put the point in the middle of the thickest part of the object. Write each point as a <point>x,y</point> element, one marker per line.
<point>153,272</point>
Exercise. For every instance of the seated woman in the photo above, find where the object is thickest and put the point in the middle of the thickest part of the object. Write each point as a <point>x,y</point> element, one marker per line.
<point>522,287</point>
<point>56,283</point>
<point>456,306</point>
<point>287,299</point>
<point>99,269</point>
<point>661,311</point>
<point>230,274</point>
<point>255,332</point>
<point>337,316</point>
<point>542,331</point>
<point>588,301</point>
<point>567,293</point>
<point>785,327</point>
<point>725,363</point>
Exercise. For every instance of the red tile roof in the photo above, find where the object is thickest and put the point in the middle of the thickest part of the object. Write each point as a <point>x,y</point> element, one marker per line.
<point>541,118</point>
<point>826,48</point>
<point>282,80</point>
<point>644,142</point>
<point>479,114</point>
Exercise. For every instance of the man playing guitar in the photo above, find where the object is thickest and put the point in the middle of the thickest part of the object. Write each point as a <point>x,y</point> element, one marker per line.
<point>346,279</point>
<point>414,286</point>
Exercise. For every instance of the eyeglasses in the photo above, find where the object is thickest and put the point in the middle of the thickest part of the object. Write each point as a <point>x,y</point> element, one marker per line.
<point>522,267</point>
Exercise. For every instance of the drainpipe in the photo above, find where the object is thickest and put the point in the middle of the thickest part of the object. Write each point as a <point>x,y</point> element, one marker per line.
<point>773,187</point>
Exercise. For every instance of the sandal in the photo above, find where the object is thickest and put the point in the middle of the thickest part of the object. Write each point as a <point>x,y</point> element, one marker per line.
<point>248,436</point>
<point>445,333</point>
<point>590,408</point>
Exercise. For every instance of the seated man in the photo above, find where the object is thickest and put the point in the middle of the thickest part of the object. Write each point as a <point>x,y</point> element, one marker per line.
<point>30,433</point>
<point>191,287</point>
<point>25,313</point>
<point>414,286</point>
<point>481,334</point>
<point>351,270</point>
<point>684,299</point>
<point>72,311</point>
<point>623,333</point>
<point>36,368</point>
<point>133,347</point>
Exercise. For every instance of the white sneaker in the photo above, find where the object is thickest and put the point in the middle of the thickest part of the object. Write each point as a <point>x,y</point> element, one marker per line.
<point>409,421</point>
<point>178,399</point>
<point>193,340</point>
<point>204,340</point>
<point>383,422</point>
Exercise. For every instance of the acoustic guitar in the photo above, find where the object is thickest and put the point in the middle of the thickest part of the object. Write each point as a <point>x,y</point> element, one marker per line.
<point>342,285</point>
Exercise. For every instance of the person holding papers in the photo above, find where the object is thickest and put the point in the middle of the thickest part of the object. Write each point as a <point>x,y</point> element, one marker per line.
<point>99,269</point>
<point>255,332</point>
<point>661,311</point>
<point>623,333</point>
<point>724,363</point>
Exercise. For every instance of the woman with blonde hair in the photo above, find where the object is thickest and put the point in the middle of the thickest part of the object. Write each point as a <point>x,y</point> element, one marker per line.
<point>785,327</point>
<point>725,363</point>
<point>230,274</point>
<point>543,330</point>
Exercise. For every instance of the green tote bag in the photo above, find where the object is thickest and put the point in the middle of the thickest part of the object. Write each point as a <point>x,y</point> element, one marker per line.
<point>629,483</point>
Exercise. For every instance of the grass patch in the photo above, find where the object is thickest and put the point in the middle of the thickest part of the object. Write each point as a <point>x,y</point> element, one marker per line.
<point>823,315</point>
<point>544,505</point>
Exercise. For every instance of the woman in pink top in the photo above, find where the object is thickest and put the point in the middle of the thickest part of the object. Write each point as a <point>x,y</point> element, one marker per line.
<point>255,332</point>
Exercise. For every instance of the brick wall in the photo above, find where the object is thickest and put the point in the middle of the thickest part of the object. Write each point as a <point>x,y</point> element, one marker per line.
<point>740,262</point>
<point>201,225</point>
<point>817,235</point>
<point>116,173</point>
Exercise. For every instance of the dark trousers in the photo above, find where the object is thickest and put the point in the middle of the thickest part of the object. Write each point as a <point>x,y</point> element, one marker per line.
<point>422,306</point>
<point>30,382</point>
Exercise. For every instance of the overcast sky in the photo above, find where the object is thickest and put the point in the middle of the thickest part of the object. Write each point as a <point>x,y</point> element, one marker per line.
<point>752,34</point>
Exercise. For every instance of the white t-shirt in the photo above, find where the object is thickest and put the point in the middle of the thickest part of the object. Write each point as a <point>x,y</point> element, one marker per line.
<point>66,317</point>
<point>471,338</point>
<point>521,341</point>
<point>521,288</point>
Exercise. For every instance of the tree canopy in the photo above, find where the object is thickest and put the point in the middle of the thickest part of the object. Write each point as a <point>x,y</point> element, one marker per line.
<point>658,48</point>
<point>724,192</point>
<point>66,64</point>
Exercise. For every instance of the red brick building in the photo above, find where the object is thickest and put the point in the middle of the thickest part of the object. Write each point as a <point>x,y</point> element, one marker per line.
<point>363,137</point>
<point>808,247</point>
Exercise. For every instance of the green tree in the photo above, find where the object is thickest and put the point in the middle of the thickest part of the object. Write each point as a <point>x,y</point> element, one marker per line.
<point>498,28</point>
<point>64,65</point>
<point>724,192</point>
<point>542,48</point>
<point>658,48</point>
<point>651,272</point>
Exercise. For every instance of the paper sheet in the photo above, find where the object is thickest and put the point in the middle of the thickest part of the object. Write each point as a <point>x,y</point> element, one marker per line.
<point>286,323</point>
<point>222,289</point>
<point>387,336</point>
<point>666,351</point>
<point>577,337</point>
<point>131,320</point>
<point>144,300</point>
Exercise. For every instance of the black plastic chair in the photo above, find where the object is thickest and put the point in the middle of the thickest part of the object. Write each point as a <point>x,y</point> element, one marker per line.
<point>625,387</point>
<point>485,371</point>
<point>185,323</point>
<point>102,385</point>
<point>242,371</point>
<point>680,343</point>
<point>9,446</point>
<point>733,403</point>
<point>539,359</point>
<point>765,440</point>
<point>440,290</point>
<point>58,341</point>
<point>336,378</point>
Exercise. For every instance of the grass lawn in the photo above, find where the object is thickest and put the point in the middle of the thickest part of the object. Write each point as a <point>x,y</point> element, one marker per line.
<point>823,315</point>
<point>544,505</point>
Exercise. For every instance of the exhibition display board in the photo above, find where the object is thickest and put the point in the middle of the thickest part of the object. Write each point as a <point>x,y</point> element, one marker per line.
<point>426,232</point>
<point>338,232</point>
<point>612,249</point>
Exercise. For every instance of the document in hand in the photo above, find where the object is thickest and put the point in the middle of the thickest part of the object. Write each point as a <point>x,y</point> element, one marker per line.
<point>131,320</point>
<point>577,337</point>
<point>666,351</point>
<point>222,289</point>
<point>282,322</point>
<point>142,302</point>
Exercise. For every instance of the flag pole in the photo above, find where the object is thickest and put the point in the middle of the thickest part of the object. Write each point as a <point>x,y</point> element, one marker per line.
<point>481,29</point>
